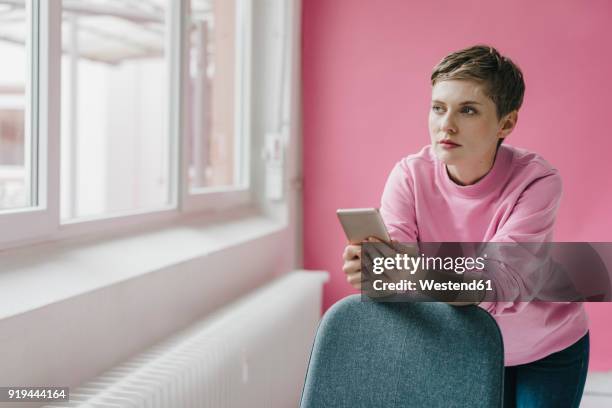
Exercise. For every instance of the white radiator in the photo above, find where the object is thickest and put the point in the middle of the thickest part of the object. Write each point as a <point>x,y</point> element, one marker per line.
<point>253,353</point>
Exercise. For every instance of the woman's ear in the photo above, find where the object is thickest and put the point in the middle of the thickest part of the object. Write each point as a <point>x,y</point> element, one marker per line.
<point>508,123</point>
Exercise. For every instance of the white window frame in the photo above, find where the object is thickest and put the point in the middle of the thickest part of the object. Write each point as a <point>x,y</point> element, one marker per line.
<point>217,198</point>
<point>22,224</point>
<point>42,223</point>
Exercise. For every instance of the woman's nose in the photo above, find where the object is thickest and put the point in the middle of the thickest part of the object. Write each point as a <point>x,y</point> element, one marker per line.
<point>448,125</point>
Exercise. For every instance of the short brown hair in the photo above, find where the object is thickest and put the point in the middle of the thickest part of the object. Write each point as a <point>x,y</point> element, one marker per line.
<point>502,78</point>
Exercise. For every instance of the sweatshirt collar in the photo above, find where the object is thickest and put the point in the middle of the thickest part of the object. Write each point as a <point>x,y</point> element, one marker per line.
<point>495,176</point>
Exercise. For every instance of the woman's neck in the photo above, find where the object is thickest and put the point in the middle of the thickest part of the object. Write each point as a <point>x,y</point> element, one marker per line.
<point>470,173</point>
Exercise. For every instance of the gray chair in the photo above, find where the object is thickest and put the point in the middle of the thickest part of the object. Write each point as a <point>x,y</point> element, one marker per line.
<point>369,354</point>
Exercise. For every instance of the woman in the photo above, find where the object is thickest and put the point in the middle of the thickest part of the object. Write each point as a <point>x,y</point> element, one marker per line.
<point>467,186</point>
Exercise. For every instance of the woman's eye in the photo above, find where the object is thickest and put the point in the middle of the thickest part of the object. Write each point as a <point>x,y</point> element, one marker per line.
<point>469,110</point>
<point>436,108</point>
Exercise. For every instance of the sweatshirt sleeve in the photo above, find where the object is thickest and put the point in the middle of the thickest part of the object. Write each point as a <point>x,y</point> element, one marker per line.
<point>520,271</point>
<point>397,205</point>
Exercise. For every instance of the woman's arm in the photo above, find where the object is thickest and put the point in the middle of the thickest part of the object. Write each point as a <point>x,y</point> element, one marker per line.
<point>397,206</point>
<point>518,272</point>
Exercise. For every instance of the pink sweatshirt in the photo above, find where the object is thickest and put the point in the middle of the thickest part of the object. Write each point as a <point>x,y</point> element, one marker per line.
<point>515,202</point>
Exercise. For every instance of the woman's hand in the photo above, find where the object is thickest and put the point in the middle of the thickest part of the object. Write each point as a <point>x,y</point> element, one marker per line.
<point>352,258</point>
<point>352,265</point>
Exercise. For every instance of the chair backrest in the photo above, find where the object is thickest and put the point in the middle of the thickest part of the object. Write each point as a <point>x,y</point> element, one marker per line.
<point>370,354</point>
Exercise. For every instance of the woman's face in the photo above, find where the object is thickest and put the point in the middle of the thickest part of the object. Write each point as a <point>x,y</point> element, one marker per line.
<point>463,123</point>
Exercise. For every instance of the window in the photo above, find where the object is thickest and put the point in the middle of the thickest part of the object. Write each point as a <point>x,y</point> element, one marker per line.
<point>121,110</point>
<point>17,103</point>
<point>115,136</point>
<point>217,93</point>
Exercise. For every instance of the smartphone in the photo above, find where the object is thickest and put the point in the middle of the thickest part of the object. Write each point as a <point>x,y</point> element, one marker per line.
<point>361,223</point>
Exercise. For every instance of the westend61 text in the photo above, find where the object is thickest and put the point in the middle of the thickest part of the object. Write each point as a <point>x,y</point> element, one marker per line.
<point>430,284</point>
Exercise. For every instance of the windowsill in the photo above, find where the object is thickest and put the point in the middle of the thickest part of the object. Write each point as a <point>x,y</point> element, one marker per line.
<point>38,275</point>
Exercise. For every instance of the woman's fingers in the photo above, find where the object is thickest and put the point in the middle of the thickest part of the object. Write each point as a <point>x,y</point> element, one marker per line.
<point>393,247</point>
<point>352,252</point>
<point>352,269</point>
<point>381,248</point>
<point>354,280</point>
<point>353,255</point>
<point>351,266</point>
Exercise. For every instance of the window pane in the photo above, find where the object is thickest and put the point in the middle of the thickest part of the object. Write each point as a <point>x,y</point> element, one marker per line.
<point>15,168</point>
<point>115,142</point>
<point>212,98</point>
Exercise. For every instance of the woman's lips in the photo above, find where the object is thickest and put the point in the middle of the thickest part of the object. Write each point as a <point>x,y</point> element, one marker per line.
<point>448,144</point>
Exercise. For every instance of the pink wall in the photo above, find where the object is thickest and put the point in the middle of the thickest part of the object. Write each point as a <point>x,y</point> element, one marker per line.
<point>366,66</point>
